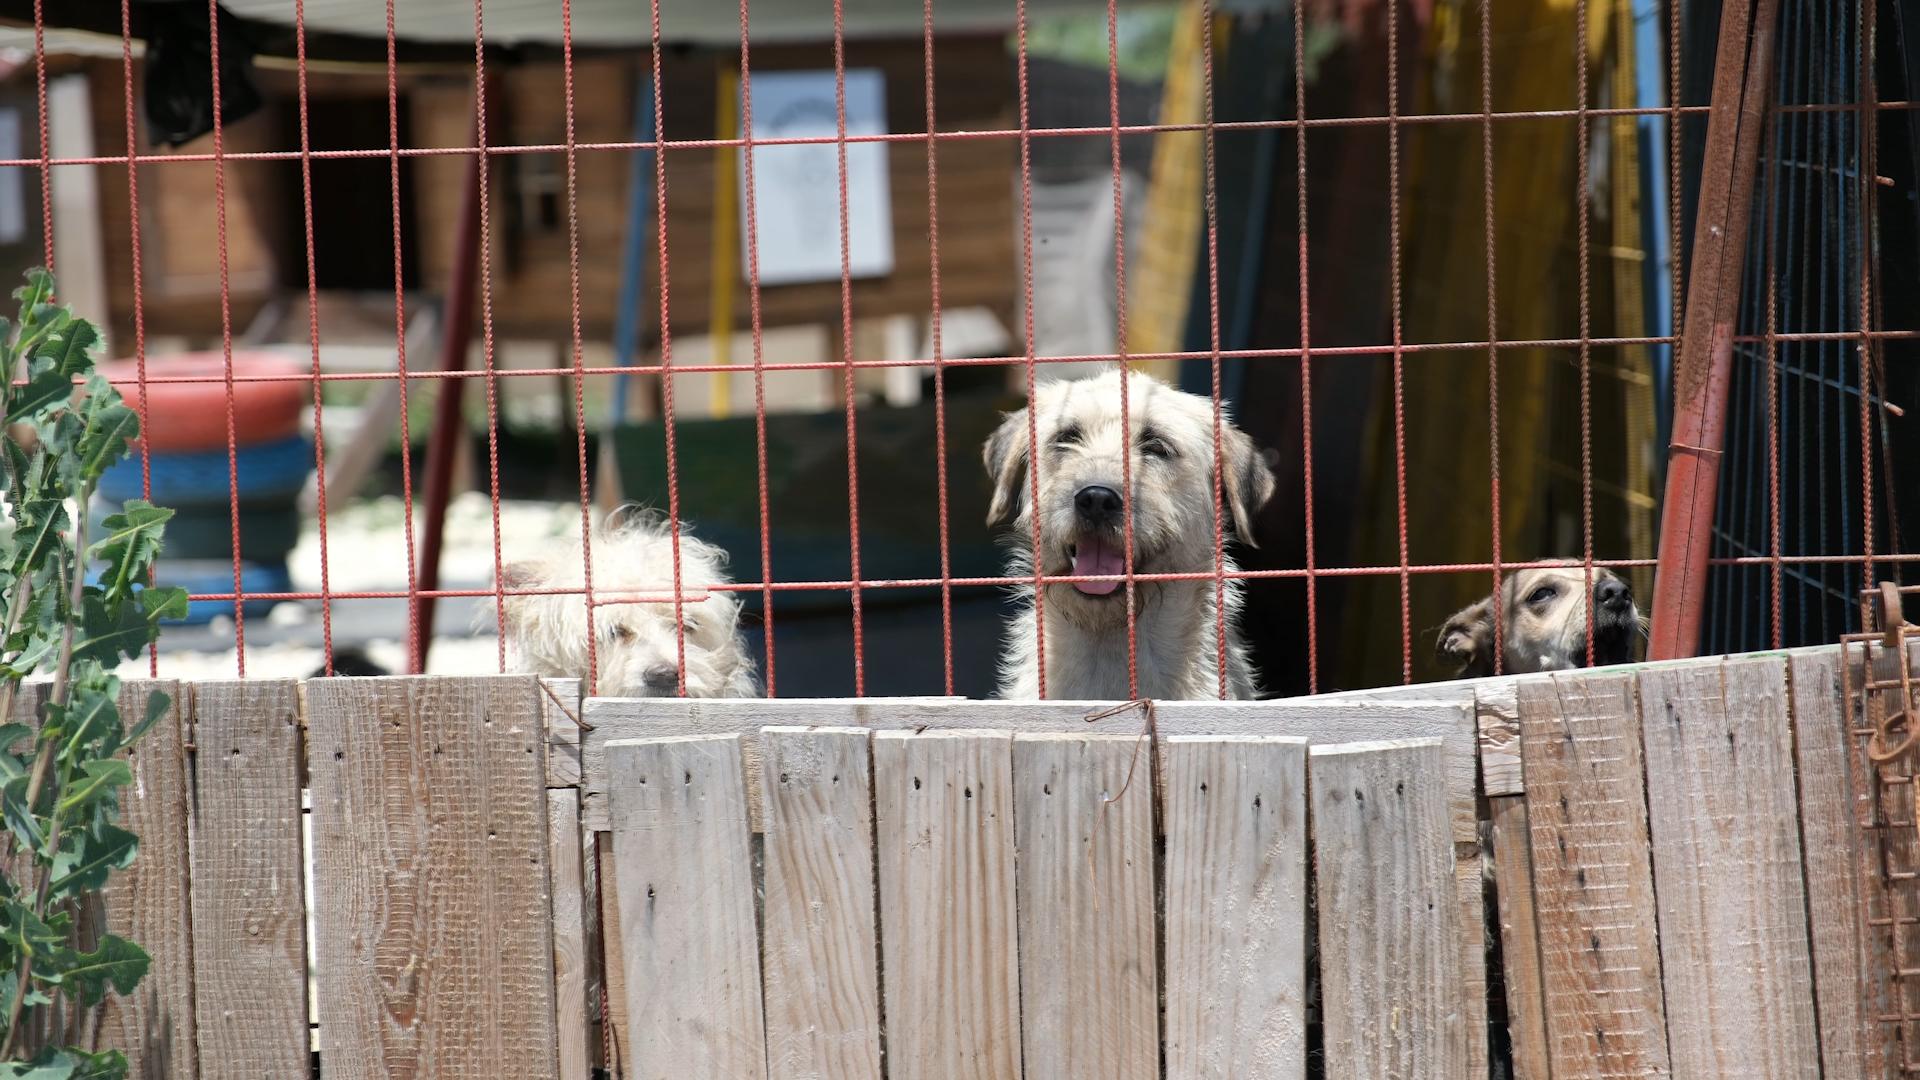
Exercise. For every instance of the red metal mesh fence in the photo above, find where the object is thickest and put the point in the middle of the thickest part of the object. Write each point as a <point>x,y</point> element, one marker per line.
<point>1435,115</point>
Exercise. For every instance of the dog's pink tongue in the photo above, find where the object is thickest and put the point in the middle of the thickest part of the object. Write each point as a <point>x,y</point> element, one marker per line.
<point>1097,557</point>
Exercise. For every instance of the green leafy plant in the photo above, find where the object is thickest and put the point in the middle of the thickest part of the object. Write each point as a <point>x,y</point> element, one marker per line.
<point>60,777</point>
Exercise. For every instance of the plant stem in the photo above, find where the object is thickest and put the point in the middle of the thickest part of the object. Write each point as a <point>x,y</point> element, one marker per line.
<point>43,761</point>
<point>75,599</point>
<point>17,610</point>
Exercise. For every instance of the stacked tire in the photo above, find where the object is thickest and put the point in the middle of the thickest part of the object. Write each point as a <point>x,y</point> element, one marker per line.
<point>185,438</point>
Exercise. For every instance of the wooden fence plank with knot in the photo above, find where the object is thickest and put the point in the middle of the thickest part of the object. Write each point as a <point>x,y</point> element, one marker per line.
<point>249,917</point>
<point>430,860</point>
<point>822,947</point>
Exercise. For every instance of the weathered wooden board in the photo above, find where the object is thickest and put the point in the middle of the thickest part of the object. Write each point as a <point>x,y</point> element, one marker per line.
<point>1089,998</point>
<point>943,804</point>
<point>1453,721</point>
<point>434,928</point>
<point>1344,720</point>
<point>685,863</point>
<point>618,1045</point>
<point>1390,989</point>
<point>1519,937</point>
<point>249,916</point>
<point>658,718</point>
<point>1496,701</point>
<point>1726,866</point>
<point>560,714</point>
<point>594,975</point>
<point>821,972</point>
<point>1236,888</point>
<point>151,901</point>
<point>1848,993</point>
<point>1593,874</point>
<point>1496,713</point>
<point>567,885</point>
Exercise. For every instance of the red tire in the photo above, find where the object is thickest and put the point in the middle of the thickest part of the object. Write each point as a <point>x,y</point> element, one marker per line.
<point>189,416</point>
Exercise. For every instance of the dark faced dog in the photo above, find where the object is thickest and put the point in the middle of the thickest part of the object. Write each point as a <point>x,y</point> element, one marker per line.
<point>1544,623</point>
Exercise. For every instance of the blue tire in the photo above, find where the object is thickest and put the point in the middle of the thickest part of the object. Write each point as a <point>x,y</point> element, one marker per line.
<point>214,576</point>
<point>269,471</point>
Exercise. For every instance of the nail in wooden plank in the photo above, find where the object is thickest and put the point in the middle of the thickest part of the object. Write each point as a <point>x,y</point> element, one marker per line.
<point>1236,888</point>
<point>1727,870</point>
<point>1390,988</point>
<point>249,914</point>
<point>1089,999</point>
<point>944,837</point>
<point>685,862</point>
<point>433,924</point>
<point>822,951</point>
<point>1593,877</point>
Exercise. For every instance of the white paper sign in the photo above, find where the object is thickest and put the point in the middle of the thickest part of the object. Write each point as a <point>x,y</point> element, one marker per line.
<point>797,188</point>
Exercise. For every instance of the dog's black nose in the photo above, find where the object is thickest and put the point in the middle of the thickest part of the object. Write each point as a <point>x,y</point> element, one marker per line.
<point>665,677</point>
<point>1611,593</point>
<point>1096,504</point>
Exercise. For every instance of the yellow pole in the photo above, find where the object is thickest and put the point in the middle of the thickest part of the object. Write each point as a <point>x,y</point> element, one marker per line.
<point>1160,282</point>
<point>725,237</point>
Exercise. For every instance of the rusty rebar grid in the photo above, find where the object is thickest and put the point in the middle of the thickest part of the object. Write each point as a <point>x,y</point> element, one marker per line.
<point>1882,723</point>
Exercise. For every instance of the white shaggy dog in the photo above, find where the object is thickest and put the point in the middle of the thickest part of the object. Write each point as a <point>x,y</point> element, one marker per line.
<point>637,648</point>
<point>1083,515</point>
<point>1544,623</point>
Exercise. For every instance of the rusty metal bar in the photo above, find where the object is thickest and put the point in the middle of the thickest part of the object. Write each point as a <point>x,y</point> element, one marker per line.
<point>455,335</point>
<point>1735,124</point>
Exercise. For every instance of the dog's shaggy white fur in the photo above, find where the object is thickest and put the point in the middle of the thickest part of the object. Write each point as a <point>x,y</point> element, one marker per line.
<point>1544,623</point>
<point>1082,518</point>
<point>638,649</point>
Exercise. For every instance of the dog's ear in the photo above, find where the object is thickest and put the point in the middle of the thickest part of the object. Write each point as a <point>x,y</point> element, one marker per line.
<point>519,575</point>
<point>1466,641</point>
<point>1247,480</point>
<point>1006,458</point>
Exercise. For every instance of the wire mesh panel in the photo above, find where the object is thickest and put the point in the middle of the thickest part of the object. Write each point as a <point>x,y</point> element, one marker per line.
<point>456,282</point>
<point>1802,463</point>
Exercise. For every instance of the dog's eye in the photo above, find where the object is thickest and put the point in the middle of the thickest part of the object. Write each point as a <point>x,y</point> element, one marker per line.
<point>1155,446</point>
<point>1542,594</point>
<point>1069,436</point>
<point>617,632</point>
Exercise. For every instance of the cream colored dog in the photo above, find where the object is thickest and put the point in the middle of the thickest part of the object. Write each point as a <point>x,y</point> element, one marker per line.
<point>1082,515</point>
<point>637,646</point>
<point>1544,622</point>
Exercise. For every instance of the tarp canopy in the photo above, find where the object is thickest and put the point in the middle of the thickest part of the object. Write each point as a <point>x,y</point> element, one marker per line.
<point>630,22</point>
<point>435,25</point>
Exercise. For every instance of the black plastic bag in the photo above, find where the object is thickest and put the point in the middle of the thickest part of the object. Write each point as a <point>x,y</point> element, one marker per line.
<point>179,82</point>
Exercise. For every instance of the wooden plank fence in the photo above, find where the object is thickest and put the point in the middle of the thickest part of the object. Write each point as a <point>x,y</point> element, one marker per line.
<point>1656,871</point>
